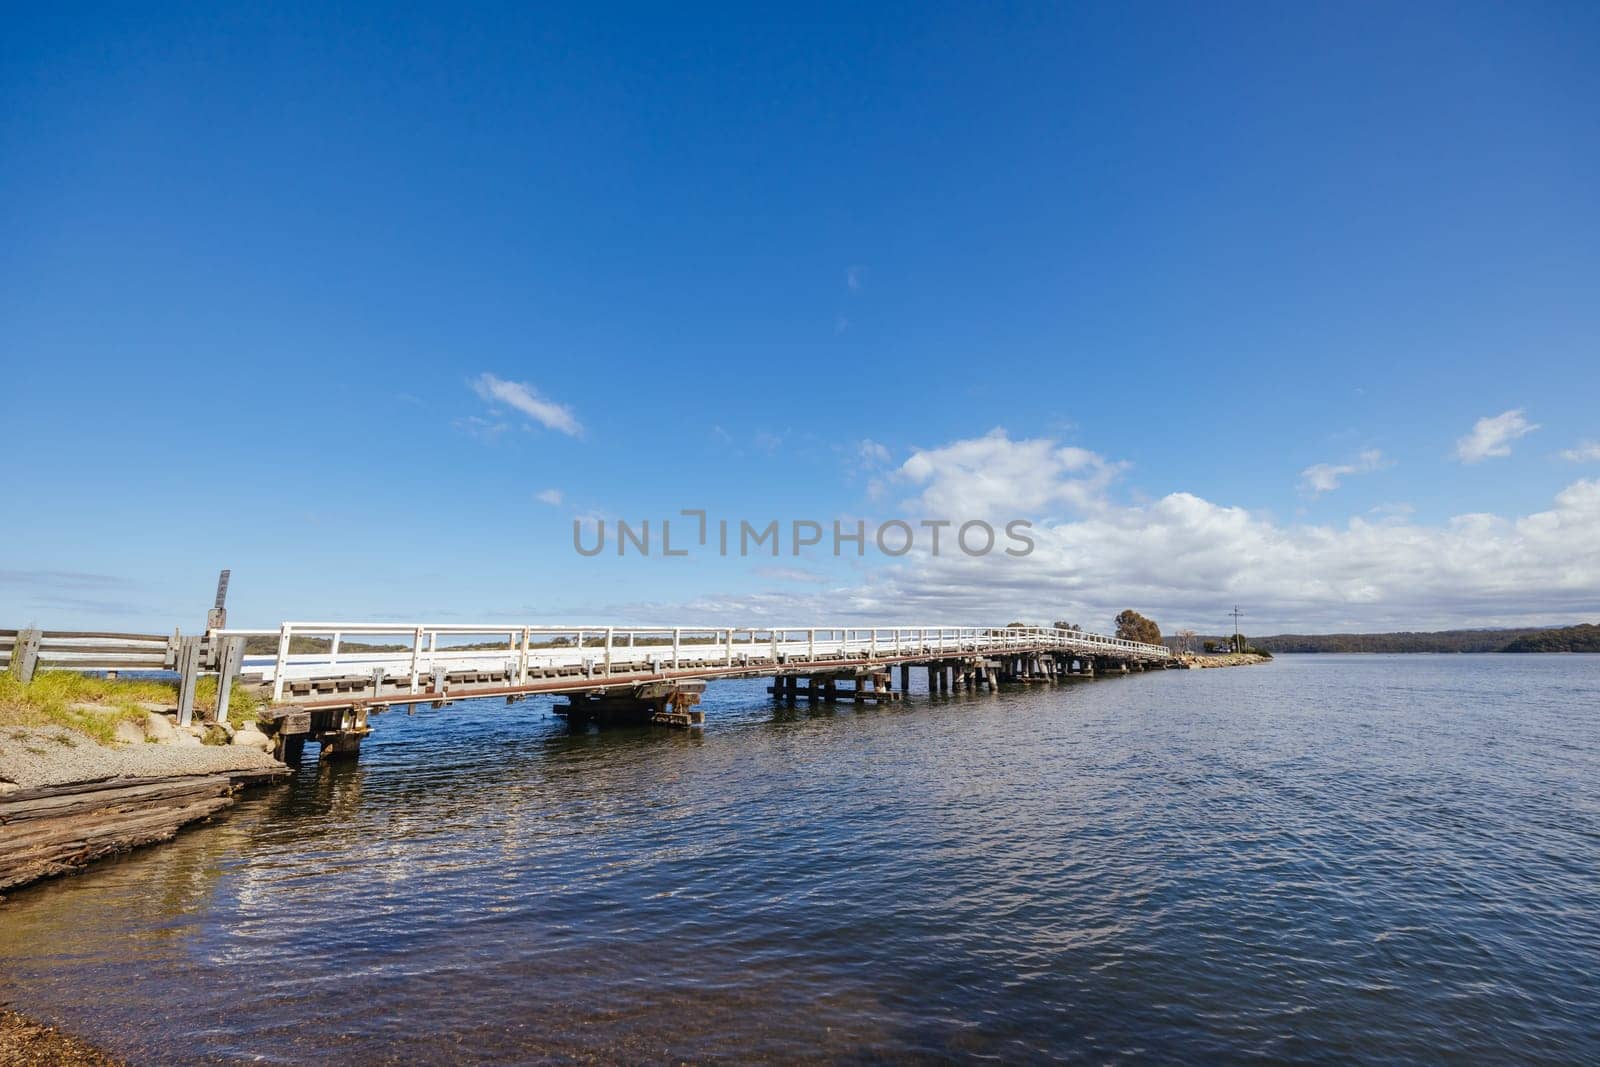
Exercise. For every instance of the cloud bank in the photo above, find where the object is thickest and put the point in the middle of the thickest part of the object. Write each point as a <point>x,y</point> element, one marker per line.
<point>1185,560</point>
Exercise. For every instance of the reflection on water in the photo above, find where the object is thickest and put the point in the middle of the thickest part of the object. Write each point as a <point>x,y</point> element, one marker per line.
<point>1327,858</point>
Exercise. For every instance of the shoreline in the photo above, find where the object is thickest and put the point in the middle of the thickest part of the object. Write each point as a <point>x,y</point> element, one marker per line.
<point>25,1042</point>
<point>1205,661</point>
<point>66,801</point>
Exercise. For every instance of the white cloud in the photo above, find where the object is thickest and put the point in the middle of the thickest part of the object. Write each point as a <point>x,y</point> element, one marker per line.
<point>479,427</point>
<point>790,574</point>
<point>872,454</point>
<point>990,475</point>
<point>526,399</point>
<point>549,496</point>
<point>852,277</point>
<point>1325,477</point>
<point>1585,452</point>
<point>1492,436</point>
<point>1184,560</point>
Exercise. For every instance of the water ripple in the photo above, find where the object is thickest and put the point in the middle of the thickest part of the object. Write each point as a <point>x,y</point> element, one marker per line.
<point>1383,859</point>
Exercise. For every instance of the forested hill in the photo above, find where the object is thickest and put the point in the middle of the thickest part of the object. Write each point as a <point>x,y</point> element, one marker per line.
<point>1585,637</point>
<point>1581,638</point>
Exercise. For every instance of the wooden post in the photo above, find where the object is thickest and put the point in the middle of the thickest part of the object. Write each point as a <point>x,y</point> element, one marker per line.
<point>905,677</point>
<point>281,665</point>
<point>416,658</point>
<point>217,617</point>
<point>188,678</point>
<point>229,658</point>
<point>25,654</point>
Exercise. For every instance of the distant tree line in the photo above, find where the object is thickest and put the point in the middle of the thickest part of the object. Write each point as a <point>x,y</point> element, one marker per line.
<point>1581,638</point>
<point>1584,637</point>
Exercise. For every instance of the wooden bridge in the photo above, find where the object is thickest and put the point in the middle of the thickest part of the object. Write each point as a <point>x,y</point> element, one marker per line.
<point>323,680</point>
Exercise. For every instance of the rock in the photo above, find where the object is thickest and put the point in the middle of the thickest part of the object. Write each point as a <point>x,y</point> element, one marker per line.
<point>128,733</point>
<point>217,733</point>
<point>186,739</point>
<point>248,736</point>
<point>159,728</point>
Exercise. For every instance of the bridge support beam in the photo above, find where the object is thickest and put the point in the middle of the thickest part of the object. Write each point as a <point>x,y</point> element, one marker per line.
<point>340,747</point>
<point>868,685</point>
<point>659,703</point>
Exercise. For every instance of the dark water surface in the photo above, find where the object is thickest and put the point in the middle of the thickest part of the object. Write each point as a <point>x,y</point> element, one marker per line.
<point>1328,858</point>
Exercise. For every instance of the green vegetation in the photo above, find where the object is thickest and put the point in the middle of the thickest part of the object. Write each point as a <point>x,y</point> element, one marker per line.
<point>60,698</point>
<point>1131,626</point>
<point>52,697</point>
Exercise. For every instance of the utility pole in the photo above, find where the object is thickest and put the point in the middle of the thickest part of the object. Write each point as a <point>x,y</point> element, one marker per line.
<point>1238,642</point>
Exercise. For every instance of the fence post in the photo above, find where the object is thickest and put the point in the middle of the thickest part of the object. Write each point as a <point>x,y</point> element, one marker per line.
<point>229,658</point>
<point>25,655</point>
<point>188,677</point>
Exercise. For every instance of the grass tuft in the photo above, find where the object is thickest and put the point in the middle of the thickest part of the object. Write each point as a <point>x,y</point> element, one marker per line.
<point>53,699</point>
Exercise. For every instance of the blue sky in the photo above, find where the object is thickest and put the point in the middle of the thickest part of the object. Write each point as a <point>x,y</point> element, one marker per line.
<point>258,264</point>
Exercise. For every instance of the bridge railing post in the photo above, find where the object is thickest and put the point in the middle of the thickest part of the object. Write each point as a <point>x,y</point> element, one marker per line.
<point>677,645</point>
<point>281,664</point>
<point>611,632</point>
<point>416,658</point>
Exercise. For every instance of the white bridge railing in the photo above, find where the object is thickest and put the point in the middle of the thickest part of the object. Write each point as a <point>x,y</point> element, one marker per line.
<point>407,654</point>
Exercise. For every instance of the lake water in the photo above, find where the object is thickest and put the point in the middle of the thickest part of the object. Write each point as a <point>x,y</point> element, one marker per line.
<point>1384,859</point>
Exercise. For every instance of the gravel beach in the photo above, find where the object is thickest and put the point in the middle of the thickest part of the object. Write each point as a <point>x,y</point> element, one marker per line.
<point>32,756</point>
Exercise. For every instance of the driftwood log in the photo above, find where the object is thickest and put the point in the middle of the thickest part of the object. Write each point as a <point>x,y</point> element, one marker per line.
<point>52,830</point>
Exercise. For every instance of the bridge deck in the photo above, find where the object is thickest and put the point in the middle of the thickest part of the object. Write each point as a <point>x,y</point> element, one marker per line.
<point>359,662</point>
